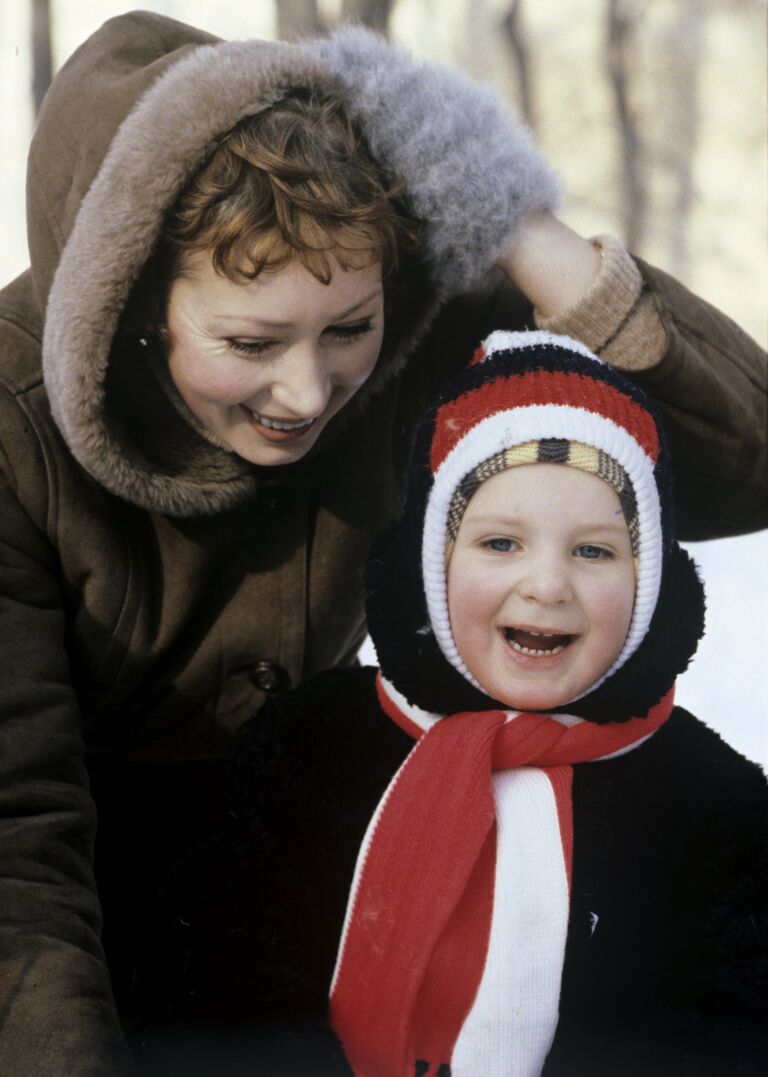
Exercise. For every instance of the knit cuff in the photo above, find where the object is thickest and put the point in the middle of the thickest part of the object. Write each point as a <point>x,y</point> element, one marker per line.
<point>616,319</point>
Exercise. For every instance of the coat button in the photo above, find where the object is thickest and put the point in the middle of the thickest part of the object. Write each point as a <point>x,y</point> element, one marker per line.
<point>273,500</point>
<point>269,677</point>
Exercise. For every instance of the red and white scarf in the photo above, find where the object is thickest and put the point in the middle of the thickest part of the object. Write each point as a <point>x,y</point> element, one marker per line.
<point>452,950</point>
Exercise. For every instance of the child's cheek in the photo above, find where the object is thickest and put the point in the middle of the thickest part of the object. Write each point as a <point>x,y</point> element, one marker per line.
<point>613,603</point>
<point>474,597</point>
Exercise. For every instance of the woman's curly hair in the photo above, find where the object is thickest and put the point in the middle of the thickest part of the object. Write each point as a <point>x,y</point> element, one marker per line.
<point>295,180</point>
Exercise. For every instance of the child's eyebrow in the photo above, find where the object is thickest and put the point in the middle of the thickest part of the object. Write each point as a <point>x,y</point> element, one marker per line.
<point>496,519</point>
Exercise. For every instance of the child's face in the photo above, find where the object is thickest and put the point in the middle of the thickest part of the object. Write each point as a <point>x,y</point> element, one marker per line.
<point>541,584</point>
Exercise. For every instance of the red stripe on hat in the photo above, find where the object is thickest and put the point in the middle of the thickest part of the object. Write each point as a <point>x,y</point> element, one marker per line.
<point>456,418</point>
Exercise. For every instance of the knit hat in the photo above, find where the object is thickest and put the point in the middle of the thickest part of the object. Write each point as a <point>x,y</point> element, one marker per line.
<point>526,398</point>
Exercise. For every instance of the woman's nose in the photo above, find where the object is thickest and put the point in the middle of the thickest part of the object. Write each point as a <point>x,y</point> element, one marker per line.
<point>301,384</point>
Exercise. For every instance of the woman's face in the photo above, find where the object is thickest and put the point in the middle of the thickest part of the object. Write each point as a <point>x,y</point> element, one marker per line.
<point>265,364</point>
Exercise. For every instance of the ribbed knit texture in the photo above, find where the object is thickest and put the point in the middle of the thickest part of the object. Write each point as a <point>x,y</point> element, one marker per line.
<point>616,318</point>
<point>454,939</point>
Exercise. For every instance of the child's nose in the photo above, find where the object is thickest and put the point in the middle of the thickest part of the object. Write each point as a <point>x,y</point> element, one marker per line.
<point>546,581</point>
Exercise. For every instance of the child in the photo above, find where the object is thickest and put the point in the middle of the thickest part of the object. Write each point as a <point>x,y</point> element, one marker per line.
<point>563,873</point>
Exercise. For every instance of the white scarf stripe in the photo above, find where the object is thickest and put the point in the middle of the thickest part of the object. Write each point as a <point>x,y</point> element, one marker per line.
<point>526,947</point>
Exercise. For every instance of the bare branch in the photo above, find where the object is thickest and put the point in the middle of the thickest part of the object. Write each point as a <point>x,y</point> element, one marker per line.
<point>620,30</point>
<point>297,18</point>
<point>373,13</point>
<point>686,46</point>
<point>42,62</point>
<point>514,31</point>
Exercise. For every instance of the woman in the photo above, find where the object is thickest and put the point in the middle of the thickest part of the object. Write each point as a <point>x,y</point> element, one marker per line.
<point>201,432</point>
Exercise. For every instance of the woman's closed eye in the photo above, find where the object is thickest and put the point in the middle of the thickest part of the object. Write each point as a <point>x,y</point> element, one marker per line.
<point>348,333</point>
<point>249,347</point>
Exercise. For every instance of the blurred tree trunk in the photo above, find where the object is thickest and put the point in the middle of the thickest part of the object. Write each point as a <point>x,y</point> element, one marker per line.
<point>515,34</point>
<point>297,18</point>
<point>373,13</point>
<point>621,26</point>
<point>42,62</point>
<point>685,45</point>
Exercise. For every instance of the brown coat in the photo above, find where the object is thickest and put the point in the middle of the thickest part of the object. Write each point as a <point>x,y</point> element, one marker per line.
<point>153,587</point>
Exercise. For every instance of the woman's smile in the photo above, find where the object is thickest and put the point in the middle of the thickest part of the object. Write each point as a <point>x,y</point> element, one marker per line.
<point>277,430</point>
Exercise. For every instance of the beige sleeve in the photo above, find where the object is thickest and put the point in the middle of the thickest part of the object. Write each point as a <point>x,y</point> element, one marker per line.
<point>617,318</point>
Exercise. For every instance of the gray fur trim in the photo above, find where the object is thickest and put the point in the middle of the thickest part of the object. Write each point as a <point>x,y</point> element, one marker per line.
<point>471,169</point>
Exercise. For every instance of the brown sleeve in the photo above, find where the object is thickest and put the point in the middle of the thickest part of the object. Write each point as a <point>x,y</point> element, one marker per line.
<point>56,1010</point>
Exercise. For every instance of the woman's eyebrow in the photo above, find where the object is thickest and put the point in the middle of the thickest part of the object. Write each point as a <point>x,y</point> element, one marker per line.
<point>375,294</point>
<point>271,323</point>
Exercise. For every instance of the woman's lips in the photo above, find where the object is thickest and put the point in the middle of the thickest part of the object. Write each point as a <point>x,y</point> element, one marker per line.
<point>278,430</point>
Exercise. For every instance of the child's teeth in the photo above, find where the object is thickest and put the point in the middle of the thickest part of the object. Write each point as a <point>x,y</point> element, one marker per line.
<point>530,650</point>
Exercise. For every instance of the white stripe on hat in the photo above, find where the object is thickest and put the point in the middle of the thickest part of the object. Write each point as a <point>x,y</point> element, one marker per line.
<point>504,340</point>
<point>526,946</point>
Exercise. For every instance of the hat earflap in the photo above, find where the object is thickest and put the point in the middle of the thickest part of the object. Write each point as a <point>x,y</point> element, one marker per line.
<point>666,650</point>
<point>406,648</point>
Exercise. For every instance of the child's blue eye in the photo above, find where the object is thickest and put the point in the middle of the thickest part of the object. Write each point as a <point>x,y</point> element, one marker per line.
<point>500,545</point>
<point>593,553</point>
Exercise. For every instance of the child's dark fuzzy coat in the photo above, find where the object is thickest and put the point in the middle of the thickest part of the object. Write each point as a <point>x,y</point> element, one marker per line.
<point>667,959</point>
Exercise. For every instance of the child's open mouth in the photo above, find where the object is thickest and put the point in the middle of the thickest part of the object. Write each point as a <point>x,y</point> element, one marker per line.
<point>536,644</point>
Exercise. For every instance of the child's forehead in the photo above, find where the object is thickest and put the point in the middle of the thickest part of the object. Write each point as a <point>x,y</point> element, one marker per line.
<point>546,488</point>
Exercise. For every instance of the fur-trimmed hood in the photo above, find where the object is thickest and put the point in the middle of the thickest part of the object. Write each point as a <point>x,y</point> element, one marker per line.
<point>127,121</point>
